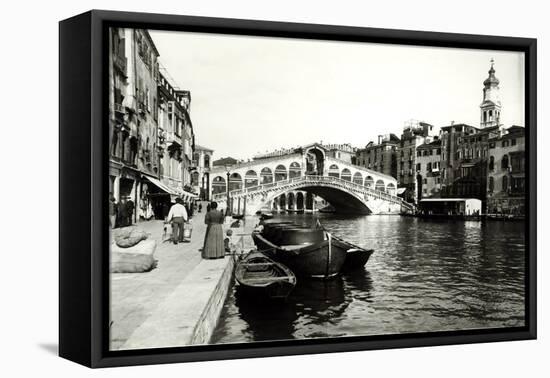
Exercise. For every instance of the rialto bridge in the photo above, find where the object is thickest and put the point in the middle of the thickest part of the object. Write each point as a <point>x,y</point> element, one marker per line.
<point>292,180</point>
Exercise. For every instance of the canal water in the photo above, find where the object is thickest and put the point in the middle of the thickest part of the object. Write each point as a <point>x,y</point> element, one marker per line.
<point>423,276</point>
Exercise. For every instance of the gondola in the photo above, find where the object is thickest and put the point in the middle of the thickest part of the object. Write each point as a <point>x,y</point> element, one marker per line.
<point>309,252</point>
<point>262,278</point>
<point>237,216</point>
<point>322,259</point>
<point>264,216</point>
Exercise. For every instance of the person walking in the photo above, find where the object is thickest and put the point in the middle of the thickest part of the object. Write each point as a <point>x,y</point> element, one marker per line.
<point>213,240</point>
<point>177,216</point>
<point>113,211</point>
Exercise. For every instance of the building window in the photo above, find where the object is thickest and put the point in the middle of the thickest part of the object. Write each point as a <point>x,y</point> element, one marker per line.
<point>491,163</point>
<point>513,142</point>
<point>505,183</point>
<point>418,167</point>
<point>504,162</point>
<point>491,184</point>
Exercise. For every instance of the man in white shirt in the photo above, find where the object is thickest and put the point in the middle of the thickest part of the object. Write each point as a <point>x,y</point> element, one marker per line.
<point>177,216</point>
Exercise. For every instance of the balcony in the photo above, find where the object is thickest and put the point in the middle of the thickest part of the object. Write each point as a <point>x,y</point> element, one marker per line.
<point>119,110</point>
<point>120,62</point>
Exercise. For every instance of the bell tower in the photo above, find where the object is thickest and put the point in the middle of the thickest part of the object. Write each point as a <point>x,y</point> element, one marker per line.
<point>490,107</point>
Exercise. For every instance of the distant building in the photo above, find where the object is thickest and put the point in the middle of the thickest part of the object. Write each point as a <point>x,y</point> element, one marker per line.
<point>465,149</point>
<point>506,173</point>
<point>415,134</point>
<point>224,161</point>
<point>380,157</point>
<point>200,177</point>
<point>344,152</point>
<point>428,169</point>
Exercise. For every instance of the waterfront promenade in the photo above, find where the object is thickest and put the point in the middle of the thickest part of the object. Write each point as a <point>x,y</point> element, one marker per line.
<point>175,304</point>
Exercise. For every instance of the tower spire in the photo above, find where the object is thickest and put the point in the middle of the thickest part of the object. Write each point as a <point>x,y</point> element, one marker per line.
<point>490,107</point>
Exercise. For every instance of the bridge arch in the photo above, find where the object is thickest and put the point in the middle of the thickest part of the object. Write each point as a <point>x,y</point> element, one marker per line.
<point>266,175</point>
<point>390,189</point>
<point>291,201</point>
<point>218,185</point>
<point>369,182</point>
<point>380,186</point>
<point>235,181</point>
<point>294,170</point>
<point>346,174</point>
<point>358,178</point>
<point>300,201</point>
<point>251,179</point>
<point>334,171</point>
<point>344,201</point>
<point>280,173</point>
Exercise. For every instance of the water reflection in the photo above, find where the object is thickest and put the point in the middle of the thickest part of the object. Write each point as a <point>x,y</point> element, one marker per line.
<point>423,276</point>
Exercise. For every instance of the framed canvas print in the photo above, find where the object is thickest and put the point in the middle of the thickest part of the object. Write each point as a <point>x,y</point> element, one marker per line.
<point>234,188</point>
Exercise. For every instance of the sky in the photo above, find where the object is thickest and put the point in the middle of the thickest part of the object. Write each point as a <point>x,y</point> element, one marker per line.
<point>256,94</point>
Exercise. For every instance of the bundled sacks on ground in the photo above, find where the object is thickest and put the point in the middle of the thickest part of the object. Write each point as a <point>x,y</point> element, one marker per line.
<point>137,257</point>
<point>127,237</point>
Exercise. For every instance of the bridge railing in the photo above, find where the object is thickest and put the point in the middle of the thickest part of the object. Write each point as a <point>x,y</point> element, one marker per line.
<point>310,178</point>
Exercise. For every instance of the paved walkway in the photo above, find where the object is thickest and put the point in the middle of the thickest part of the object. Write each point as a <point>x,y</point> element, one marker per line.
<point>135,296</point>
<point>168,305</point>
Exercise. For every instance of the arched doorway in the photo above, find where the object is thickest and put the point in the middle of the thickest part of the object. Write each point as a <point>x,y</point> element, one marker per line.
<point>369,182</point>
<point>266,176</point>
<point>358,178</point>
<point>334,171</point>
<point>218,185</point>
<point>390,189</point>
<point>300,201</point>
<point>346,174</point>
<point>380,186</point>
<point>235,182</point>
<point>282,202</point>
<point>280,173</point>
<point>309,201</point>
<point>291,201</point>
<point>250,179</point>
<point>315,161</point>
<point>294,170</point>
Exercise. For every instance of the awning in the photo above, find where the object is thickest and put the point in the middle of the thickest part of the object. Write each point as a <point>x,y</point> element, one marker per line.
<point>161,186</point>
<point>174,192</point>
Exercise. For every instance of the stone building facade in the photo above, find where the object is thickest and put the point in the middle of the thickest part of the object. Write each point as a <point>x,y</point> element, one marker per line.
<point>414,134</point>
<point>506,173</point>
<point>380,157</point>
<point>200,177</point>
<point>133,114</point>
<point>151,137</point>
<point>428,169</point>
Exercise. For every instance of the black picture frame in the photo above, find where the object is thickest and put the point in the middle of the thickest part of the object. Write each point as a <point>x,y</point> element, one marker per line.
<point>83,240</point>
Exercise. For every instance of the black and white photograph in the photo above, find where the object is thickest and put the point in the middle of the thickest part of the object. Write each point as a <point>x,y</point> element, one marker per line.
<point>270,189</point>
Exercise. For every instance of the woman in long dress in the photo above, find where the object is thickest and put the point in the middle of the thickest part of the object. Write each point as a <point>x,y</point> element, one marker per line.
<point>213,239</point>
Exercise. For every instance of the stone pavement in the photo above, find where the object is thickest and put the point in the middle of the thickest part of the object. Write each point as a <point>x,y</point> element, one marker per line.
<point>177,303</point>
<point>134,296</point>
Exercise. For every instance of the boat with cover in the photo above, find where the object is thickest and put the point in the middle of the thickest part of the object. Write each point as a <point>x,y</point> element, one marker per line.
<point>309,251</point>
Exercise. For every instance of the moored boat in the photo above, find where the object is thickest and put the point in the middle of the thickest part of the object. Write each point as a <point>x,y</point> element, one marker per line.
<point>356,258</point>
<point>263,278</point>
<point>314,260</point>
<point>309,252</point>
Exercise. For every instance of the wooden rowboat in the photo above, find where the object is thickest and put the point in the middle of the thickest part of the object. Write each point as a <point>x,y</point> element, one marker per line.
<point>260,277</point>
